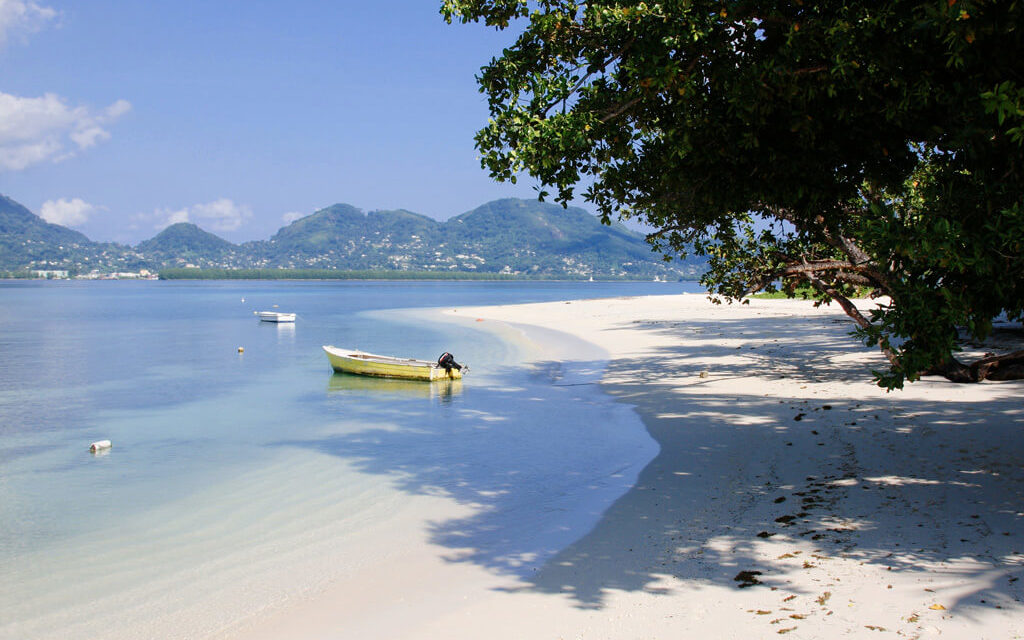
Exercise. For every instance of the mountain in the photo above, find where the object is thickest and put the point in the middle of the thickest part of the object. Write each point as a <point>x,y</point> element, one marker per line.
<point>185,243</point>
<point>29,242</point>
<point>527,236</point>
<point>16,220</point>
<point>344,237</point>
<point>25,238</point>
<point>510,236</point>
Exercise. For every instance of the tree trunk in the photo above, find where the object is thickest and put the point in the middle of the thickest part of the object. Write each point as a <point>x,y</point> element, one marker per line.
<point>849,309</point>
<point>1009,366</point>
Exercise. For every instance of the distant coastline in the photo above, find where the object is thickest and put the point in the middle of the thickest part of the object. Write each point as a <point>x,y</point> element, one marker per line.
<point>327,274</point>
<point>335,274</point>
<point>502,238</point>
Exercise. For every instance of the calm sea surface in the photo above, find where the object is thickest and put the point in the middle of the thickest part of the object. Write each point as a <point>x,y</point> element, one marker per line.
<point>230,468</point>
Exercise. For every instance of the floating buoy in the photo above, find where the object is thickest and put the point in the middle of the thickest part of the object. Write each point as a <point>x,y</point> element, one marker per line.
<point>243,299</point>
<point>99,445</point>
<point>241,349</point>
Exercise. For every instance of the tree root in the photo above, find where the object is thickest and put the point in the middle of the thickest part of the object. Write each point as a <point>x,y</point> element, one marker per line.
<point>1009,366</point>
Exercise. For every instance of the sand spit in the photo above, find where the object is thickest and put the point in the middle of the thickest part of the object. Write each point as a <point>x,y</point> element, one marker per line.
<point>791,497</point>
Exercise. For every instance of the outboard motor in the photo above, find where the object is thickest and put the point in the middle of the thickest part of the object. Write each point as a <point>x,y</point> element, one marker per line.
<point>447,362</point>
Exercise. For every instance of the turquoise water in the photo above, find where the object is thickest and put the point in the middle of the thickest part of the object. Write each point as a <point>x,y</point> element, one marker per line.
<point>230,470</point>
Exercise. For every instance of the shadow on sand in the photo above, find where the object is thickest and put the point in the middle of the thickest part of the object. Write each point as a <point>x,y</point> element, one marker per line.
<point>894,480</point>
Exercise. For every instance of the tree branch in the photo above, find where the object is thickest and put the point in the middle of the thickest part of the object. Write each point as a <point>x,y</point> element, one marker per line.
<point>621,110</point>
<point>803,266</point>
<point>661,233</point>
<point>582,81</point>
<point>851,310</point>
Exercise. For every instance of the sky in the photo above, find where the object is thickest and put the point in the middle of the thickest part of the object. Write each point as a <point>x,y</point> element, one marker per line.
<point>120,117</point>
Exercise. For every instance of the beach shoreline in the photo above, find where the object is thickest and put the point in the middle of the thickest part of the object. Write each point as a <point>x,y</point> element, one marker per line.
<point>790,495</point>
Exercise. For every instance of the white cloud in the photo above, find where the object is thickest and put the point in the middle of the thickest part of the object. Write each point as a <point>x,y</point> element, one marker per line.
<point>171,217</point>
<point>222,214</point>
<point>117,109</point>
<point>89,136</point>
<point>34,130</point>
<point>292,216</point>
<point>69,213</point>
<point>19,18</point>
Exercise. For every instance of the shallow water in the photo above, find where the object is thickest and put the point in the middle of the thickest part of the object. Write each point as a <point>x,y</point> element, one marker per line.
<point>235,479</point>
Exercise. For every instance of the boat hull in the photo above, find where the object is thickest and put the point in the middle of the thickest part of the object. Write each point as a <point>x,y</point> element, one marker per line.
<point>368,364</point>
<point>275,316</point>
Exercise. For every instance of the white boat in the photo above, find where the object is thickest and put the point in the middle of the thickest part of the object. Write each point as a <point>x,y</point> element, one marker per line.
<point>275,316</point>
<point>369,364</point>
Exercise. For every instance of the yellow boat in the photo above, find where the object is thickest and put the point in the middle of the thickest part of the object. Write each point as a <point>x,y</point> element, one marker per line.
<point>369,364</point>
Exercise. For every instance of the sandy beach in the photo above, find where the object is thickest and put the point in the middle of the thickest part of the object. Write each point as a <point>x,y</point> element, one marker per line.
<point>790,496</point>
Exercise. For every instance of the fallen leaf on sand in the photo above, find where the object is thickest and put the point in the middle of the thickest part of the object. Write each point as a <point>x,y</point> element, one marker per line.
<point>747,578</point>
<point>823,598</point>
<point>937,607</point>
<point>786,630</point>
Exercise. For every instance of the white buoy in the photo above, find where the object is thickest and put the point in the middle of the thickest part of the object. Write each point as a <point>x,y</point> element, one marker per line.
<point>100,445</point>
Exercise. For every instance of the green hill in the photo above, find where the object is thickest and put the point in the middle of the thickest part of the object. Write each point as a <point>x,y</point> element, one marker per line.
<point>28,241</point>
<point>534,237</point>
<point>508,236</point>
<point>185,243</point>
<point>344,237</point>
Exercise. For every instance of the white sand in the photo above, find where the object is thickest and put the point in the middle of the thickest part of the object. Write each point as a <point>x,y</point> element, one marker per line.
<point>868,514</point>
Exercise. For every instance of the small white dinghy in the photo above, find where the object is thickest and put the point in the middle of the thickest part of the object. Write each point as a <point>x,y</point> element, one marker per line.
<point>274,316</point>
<point>99,445</point>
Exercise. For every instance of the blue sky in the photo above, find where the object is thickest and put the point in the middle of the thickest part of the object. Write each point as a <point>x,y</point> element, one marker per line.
<point>120,117</point>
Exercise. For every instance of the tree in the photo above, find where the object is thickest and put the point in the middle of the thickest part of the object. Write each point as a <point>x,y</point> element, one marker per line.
<point>880,143</point>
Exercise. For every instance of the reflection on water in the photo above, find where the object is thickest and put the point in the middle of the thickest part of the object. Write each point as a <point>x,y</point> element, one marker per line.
<point>286,332</point>
<point>444,389</point>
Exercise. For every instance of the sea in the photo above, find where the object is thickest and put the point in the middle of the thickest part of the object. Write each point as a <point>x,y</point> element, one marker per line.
<point>240,463</point>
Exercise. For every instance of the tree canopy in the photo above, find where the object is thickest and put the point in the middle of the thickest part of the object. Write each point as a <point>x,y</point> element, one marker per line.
<point>831,144</point>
